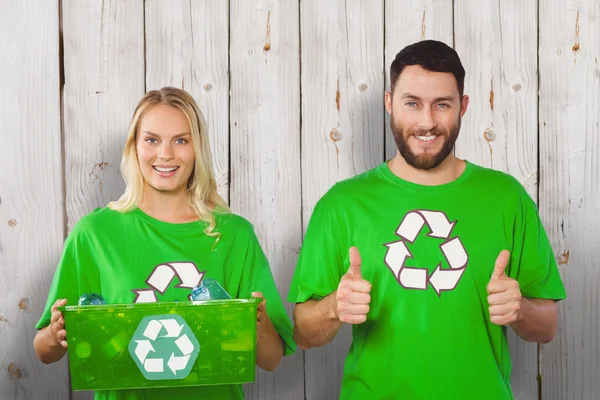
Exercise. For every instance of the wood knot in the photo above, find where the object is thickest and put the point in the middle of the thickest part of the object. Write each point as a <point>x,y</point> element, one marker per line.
<point>267,46</point>
<point>12,223</point>
<point>208,87</point>
<point>24,304</point>
<point>563,258</point>
<point>516,87</point>
<point>363,87</point>
<point>335,135</point>
<point>575,47</point>
<point>489,135</point>
<point>102,165</point>
<point>14,371</point>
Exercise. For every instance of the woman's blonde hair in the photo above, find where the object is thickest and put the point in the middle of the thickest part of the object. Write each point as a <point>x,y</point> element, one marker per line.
<point>202,186</point>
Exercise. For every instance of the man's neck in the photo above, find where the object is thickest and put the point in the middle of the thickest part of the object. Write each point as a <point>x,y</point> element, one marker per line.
<point>449,170</point>
<point>167,207</point>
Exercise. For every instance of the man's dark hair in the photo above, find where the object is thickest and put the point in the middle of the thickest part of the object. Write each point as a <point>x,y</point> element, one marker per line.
<point>430,55</point>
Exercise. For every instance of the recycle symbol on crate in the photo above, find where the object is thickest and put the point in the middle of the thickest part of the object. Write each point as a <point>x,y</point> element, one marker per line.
<point>453,250</point>
<point>164,347</point>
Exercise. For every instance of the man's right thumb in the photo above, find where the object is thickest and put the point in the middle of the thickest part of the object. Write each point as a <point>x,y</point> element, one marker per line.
<point>355,263</point>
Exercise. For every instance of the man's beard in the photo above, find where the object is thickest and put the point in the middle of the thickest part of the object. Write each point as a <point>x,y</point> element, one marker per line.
<point>426,160</point>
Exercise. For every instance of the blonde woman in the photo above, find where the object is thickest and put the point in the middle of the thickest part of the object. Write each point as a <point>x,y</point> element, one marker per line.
<point>170,212</point>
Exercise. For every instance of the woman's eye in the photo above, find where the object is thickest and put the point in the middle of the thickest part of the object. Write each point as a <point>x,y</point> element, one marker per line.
<point>181,141</point>
<point>151,140</point>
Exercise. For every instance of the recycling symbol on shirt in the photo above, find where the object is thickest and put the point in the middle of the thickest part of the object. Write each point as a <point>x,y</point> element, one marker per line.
<point>163,274</point>
<point>164,347</point>
<point>453,250</point>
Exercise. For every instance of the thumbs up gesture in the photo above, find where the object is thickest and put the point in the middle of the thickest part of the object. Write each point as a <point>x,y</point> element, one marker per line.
<point>353,294</point>
<point>504,294</point>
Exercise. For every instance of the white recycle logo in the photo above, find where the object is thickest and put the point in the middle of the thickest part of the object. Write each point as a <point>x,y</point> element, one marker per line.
<point>453,250</point>
<point>164,347</point>
<point>162,276</point>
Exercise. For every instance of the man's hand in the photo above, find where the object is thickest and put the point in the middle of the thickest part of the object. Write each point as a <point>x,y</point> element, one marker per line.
<point>353,293</point>
<point>504,294</point>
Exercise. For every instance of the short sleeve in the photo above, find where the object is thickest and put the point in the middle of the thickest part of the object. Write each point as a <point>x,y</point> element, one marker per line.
<point>65,282</point>
<point>536,269</point>
<point>319,268</point>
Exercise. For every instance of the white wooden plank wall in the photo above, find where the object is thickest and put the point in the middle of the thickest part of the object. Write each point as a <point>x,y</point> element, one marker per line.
<point>265,152</point>
<point>103,69</point>
<point>31,193</point>
<point>569,113</point>
<point>292,91</point>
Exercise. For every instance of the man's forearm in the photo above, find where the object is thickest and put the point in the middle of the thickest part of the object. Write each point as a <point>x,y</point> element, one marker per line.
<point>316,322</point>
<point>537,321</point>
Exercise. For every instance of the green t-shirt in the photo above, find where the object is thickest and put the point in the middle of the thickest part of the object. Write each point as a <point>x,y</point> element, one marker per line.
<point>115,254</point>
<point>418,344</point>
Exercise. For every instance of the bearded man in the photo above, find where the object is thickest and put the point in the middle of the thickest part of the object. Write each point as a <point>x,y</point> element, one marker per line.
<point>428,256</point>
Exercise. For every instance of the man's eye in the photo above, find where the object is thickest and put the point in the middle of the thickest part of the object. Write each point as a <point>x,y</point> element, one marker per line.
<point>411,104</point>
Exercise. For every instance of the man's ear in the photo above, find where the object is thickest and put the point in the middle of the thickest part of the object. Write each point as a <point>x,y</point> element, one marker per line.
<point>388,102</point>
<point>464,103</point>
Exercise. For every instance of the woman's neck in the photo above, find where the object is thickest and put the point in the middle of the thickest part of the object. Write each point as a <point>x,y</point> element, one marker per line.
<point>167,207</point>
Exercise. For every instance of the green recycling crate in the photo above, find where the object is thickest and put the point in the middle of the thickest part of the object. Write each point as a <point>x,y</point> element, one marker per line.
<point>191,343</point>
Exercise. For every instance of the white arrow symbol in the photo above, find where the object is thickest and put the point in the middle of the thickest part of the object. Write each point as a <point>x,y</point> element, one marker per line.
<point>142,349</point>
<point>145,296</point>
<point>185,345</point>
<point>188,273</point>
<point>455,253</point>
<point>396,255</point>
<point>153,329</point>
<point>408,277</point>
<point>161,277</point>
<point>414,278</point>
<point>439,224</point>
<point>445,279</point>
<point>177,363</point>
<point>172,327</point>
<point>154,365</point>
<point>410,226</point>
